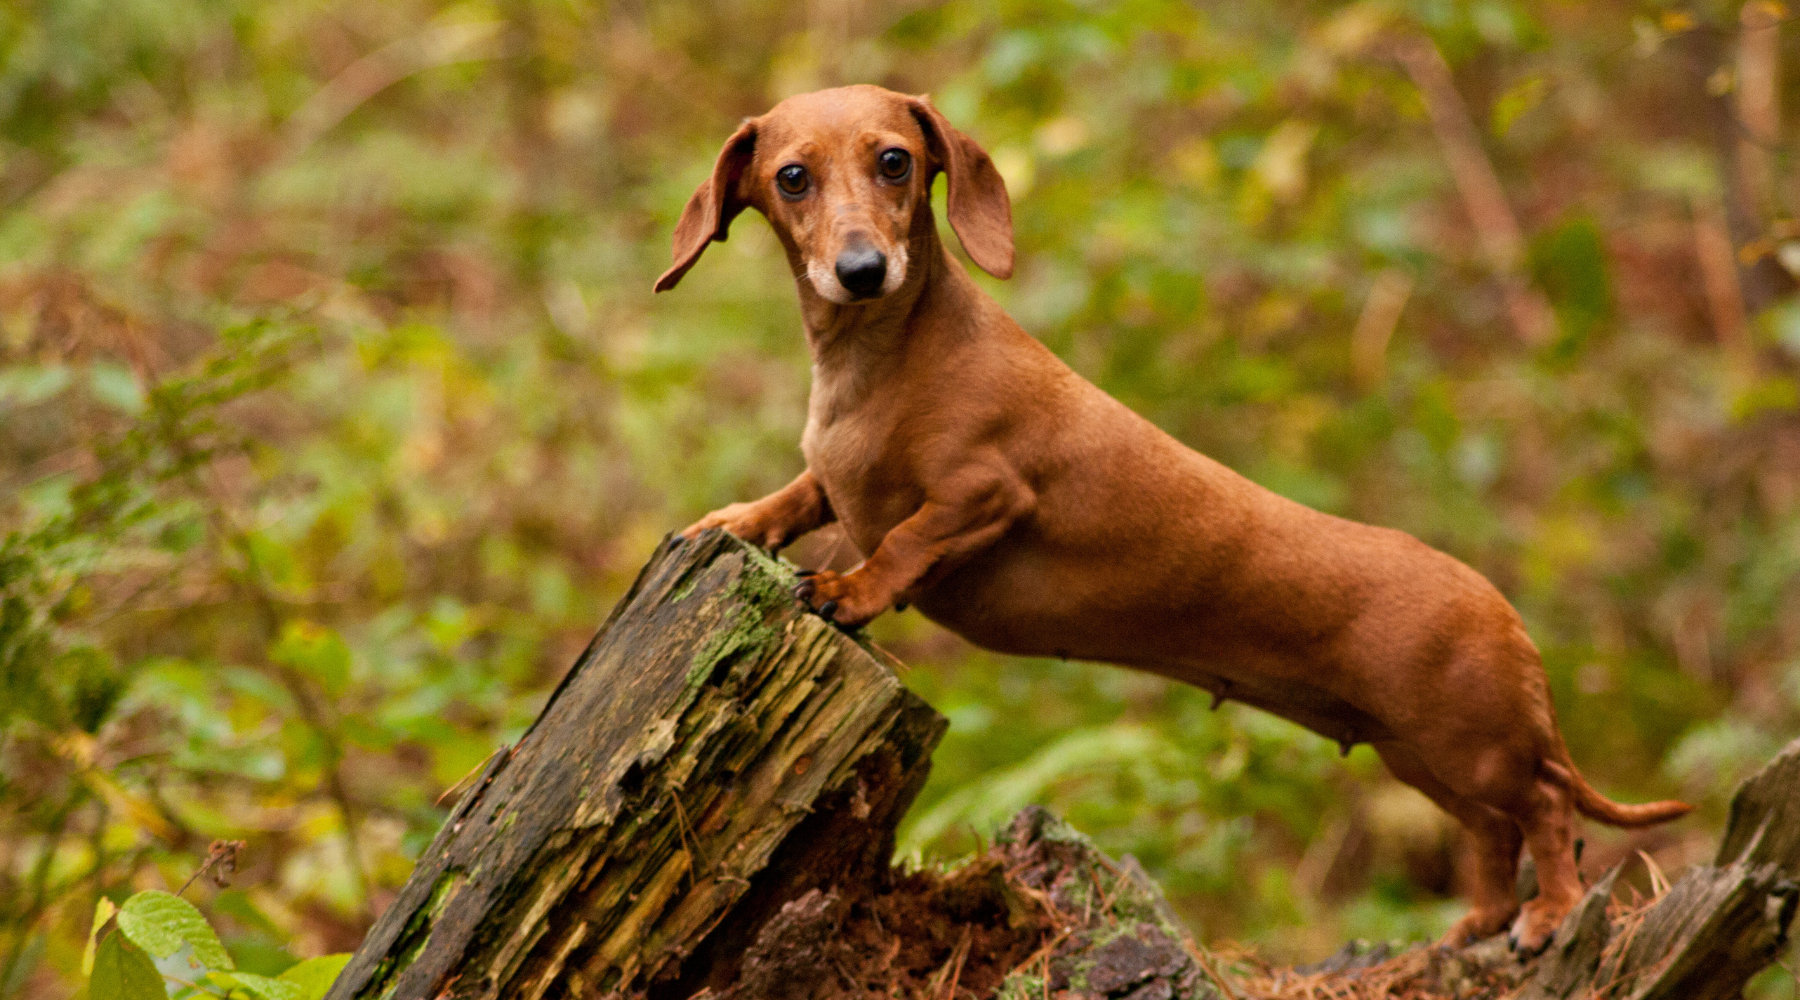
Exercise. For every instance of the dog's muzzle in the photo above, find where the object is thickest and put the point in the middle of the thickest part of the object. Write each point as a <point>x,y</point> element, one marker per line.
<point>861,270</point>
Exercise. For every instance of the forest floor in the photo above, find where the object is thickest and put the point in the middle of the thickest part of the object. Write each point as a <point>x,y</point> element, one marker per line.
<point>1043,914</point>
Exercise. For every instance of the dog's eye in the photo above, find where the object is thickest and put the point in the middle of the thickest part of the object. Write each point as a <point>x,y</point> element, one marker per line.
<point>791,179</point>
<point>894,163</point>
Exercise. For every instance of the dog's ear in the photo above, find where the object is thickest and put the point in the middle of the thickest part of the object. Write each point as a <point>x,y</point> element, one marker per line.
<point>978,209</point>
<point>714,204</point>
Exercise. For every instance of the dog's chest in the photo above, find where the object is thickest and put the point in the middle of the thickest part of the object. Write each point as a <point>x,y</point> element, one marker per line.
<point>867,480</point>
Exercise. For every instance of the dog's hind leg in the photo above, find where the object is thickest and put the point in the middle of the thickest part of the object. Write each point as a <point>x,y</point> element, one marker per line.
<point>1549,823</point>
<point>1493,846</point>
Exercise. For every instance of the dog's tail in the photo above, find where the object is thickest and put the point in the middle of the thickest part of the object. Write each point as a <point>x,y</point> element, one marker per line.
<point>1595,806</point>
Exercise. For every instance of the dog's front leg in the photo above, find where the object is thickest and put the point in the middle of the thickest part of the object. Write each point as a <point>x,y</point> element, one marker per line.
<point>971,512</point>
<point>775,520</point>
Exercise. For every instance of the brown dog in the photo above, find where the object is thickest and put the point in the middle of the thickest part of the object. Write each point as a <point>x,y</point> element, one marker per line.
<point>1025,509</point>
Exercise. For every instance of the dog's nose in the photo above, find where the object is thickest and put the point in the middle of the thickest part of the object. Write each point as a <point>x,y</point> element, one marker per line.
<point>862,270</point>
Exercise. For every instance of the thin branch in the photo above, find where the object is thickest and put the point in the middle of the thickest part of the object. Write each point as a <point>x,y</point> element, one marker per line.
<point>1375,327</point>
<point>1719,274</point>
<point>1758,111</point>
<point>381,69</point>
<point>1496,227</point>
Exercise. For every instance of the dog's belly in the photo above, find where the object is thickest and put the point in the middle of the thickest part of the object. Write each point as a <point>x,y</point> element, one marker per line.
<point>1017,610</point>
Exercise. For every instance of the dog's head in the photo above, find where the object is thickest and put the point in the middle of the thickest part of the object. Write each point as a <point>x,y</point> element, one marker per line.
<point>841,174</point>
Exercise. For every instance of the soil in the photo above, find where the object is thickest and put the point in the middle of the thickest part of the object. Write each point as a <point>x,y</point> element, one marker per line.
<point>1039,914</point>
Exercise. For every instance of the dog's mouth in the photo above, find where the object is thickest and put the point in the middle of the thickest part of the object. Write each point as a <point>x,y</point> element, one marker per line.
<point>861,273</point>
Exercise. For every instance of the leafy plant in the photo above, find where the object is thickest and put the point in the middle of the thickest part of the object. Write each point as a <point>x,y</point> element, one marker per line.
<point>152,927</point>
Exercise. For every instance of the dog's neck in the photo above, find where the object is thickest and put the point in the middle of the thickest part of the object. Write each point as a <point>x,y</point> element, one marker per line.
<point>854,345</point>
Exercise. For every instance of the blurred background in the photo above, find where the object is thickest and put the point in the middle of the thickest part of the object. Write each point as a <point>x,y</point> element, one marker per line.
<point>335,409</point>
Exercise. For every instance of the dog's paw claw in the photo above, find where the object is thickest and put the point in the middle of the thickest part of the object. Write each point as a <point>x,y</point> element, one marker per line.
<point>804,573</point>
<point>828,611</point>
<point>804,589</point>
<point>901,606</point>
<point>1526,951</point>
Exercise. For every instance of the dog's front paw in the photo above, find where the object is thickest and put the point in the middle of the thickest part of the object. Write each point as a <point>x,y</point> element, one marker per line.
<point>848,599</point>
<point>744,520</point>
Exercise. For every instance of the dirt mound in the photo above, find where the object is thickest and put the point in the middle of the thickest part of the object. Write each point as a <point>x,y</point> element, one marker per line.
<point>1040,913</point>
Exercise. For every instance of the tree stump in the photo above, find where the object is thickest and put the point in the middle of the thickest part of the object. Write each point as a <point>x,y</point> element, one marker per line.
<point>715,753</point>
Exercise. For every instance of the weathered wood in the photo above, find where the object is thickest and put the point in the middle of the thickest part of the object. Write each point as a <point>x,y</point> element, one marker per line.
<point>1716,927</point>
<point>715,753</point>
<point>1765,817</point>
<point>1567,966</point>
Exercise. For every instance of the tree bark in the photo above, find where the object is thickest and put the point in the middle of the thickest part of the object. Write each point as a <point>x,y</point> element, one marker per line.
<point>715,753</point>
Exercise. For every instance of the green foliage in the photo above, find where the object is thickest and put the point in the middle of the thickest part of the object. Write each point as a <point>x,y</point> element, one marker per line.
<point>161,924</point>
<point>335,410</point>
<point>158,925</point>
<point>122,970</point>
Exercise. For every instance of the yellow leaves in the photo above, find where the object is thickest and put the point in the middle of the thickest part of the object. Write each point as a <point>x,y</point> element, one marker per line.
<point>1278,174</point>
<point>1564,542</point>
<point>1353,29</point>
<point>1281,165</point>
<point>141,812</point>
<point>1723,81</point>
<point>1197,163</point>
<point>103,911</point>
<point>1676,21</point>
<point>1761,14</point>
<point>1062,136</point>
<point>1650,34</point>
<point>82,750</point>
<point>1772,392</point>
<point>1520,99</point>
<point>1017,168</point>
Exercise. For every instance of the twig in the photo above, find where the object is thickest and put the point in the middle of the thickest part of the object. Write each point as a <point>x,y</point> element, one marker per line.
<point>251,582</point>
<point>693,847</point>
<point>1043,952</point>
<point>436,46</point>
<point>962,955</point>
<point>1758,103</point>
<point>1496,227</point>
<point>222,855</point>
<point>951,971</point>
<point>1205,962</point>
<point>1659,883</point>
<point>1375,328</point>
<point>1719,273</point>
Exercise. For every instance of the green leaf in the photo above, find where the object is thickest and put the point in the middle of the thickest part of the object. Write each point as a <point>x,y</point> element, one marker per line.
<point>116,386</point>
<point>268,989</point>
<point>122,972</point>
<point>28,385</point>
<point>161,923</point>
<point>103,911</point>
<point>316,651</point>
<point>315,975</point>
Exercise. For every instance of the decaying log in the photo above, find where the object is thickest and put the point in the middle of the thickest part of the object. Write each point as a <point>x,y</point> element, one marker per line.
<point>715,753</point>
